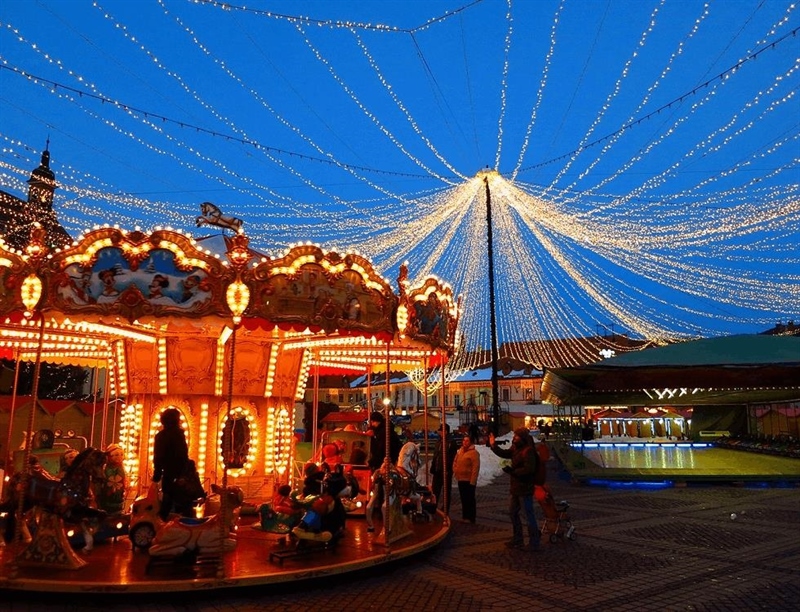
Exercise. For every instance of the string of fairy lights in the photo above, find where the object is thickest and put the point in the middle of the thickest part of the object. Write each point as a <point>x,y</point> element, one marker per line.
<point>641,106</point>
<point>606,106</point>
<point>644,229</point>
<point>539,92</point>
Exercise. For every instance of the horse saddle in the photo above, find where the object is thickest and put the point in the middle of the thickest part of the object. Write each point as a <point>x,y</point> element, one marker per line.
<point>46,490</point>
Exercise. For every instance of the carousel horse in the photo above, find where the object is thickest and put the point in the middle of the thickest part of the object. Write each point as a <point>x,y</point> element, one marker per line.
<point>401,483</point>
<point>401,487</point>
<point>201,536</point>
<point>211,215</point>
<point>67,498</point>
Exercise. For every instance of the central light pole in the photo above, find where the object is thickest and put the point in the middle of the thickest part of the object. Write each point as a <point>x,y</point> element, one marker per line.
<point>492,318</point>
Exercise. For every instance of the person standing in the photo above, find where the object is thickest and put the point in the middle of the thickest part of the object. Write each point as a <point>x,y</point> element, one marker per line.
<point>442,469</point>
<point>170,456</point>
<point>377,429</point>
<point>466,467</point>
<point>523,468</point>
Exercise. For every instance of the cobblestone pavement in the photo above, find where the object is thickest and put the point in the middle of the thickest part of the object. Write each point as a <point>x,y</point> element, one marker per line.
<point>696,548</point>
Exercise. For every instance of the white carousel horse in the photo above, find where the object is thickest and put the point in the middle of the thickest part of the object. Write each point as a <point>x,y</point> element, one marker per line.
<point>182,535</point>
<point>212,215</point>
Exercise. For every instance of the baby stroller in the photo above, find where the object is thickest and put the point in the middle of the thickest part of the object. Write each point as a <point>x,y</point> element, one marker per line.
<point>557,523</point>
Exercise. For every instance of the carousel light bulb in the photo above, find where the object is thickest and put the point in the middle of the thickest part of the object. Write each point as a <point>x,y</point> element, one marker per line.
<point>237,297</point>
<point>31,292</point>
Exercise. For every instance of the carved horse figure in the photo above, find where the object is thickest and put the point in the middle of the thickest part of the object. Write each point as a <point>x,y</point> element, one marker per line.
<point>207,535</point>
<point>67,498</point>
<point>212,215</point>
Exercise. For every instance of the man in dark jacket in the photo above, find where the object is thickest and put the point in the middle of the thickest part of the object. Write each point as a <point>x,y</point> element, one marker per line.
<point>524,463</point>
<point>377,429</point>
<point>170,456</point>
<point>443,473</point>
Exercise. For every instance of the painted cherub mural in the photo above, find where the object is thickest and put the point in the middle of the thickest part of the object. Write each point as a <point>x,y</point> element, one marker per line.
<point>429,316</point>
<point>157,280</point>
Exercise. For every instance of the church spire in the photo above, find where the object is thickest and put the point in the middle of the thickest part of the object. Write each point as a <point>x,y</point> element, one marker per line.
<point>42,184</point>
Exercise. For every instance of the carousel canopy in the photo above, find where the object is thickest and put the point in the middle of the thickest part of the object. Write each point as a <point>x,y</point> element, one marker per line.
<point>716,371</point>
<point>164,298</point>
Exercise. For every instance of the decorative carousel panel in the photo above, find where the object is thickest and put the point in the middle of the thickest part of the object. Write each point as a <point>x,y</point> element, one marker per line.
<point>13,272</point>
<point>291,371</point>
<point>190,364</point>
<point>142,367</point>
<point>250,365</point>
<point>137,276</point>
<point>430,314</point>
<point>308,288</point>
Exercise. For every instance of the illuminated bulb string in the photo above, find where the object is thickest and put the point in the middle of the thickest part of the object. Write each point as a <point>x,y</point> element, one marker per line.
<point>260,99</point>
<point>650,90</point>
<point>369,114</point>
<point>711,92</point>
<point>504,84</point>
<point>194,94</point>
<point>390,90</point>
<point>611,96</point>
<point>654,262</point>
<point>539,92</point>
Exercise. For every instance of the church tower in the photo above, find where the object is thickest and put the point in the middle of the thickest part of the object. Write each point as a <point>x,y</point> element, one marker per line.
<point>42,185</point>
<point>17,216</point>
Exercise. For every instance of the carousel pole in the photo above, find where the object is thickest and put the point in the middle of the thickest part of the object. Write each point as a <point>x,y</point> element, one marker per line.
<point>31,295</point>
<point>387,400</point>
<point>95,385</point>
<point>37,370</point>
<point>425,411</point>
<point>444,443</point>
<point>223,527</point>
<point>9,454</point>
<point>105,415</point>
<point>369,388</point>
<point>230,398</point>
<point>315,412</point>
<point>237,297</point>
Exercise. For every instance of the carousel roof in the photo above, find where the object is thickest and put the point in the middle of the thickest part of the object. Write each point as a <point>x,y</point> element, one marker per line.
<point>335,310</point>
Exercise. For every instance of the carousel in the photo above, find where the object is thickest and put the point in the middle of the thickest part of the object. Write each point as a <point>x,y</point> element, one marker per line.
<point>231,341</point>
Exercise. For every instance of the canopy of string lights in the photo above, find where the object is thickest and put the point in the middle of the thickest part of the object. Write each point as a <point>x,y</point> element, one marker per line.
<point>642,157</point>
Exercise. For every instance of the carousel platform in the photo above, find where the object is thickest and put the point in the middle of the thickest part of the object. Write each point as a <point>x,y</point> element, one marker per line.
<point>258,560</point>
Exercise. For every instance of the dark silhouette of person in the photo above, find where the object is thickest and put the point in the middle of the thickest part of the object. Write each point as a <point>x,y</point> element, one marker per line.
<point>170,458</point>
<point>377,429</point>
<point>443,478</point>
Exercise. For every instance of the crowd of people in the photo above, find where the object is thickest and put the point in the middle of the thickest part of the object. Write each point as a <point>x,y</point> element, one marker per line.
<point>455,461</point>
